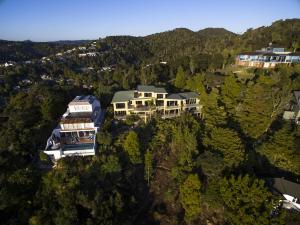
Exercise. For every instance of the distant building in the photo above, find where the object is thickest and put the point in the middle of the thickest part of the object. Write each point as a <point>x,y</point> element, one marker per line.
<point>8,64</point>
<point>267,58</point>
<point>294,111</point>
<point>147,101</point>
<point>76,132</point>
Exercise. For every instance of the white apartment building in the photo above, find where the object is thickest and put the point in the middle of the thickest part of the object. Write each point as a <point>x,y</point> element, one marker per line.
<point>146,101</point>
<point>76,132</point>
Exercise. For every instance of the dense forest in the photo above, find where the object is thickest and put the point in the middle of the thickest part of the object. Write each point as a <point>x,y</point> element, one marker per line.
<point>187,170</point>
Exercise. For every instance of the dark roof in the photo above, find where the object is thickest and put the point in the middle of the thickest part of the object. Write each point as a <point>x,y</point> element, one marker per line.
<point>297,96</point>
<point>83,99</point>
<point>259,53</point>
<point>183,95</point>
<point>150,88</point>
<point>123,96</point>
<point>285,187</point>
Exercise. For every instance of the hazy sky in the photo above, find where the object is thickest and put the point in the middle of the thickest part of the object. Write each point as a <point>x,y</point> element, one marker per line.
<point>48,20</point>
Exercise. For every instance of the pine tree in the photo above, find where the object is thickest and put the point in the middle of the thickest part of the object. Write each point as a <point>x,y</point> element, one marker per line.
<point>190,197</point>
<point>180,79</point>
<point>131,146</point>
<point>148,166</point>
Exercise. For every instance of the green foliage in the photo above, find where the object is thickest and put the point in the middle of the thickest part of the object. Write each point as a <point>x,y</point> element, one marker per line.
<point>148,161</point>
<point>132,148</point>
<point>281,150</point>
<point>230,94</point>
<point>228,143</point>
<point>248,201</point>
<point>190,197</point>
<point>180,79</point>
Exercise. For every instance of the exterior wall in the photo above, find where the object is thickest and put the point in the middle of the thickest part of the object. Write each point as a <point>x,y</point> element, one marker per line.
<point>80,108</point>
<point>77,126</point>
<point>164,110</point>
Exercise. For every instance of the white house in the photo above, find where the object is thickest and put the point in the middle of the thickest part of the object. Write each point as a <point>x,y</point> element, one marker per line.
<point>76,132</point>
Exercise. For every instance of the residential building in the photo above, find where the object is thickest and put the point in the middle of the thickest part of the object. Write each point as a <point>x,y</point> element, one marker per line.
<point>76,132</point>
<point>147,101</point>
<point>293,113</point>
<point>290,191</point>
<point>267,58</point>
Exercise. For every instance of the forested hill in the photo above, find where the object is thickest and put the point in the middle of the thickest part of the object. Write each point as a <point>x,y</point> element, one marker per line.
<point>171,45</point>
<point>188,170</point>
<point>28,50</point>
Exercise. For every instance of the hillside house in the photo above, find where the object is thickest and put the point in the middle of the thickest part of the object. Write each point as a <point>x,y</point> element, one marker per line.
<point>76,132</point>
<point>147,101</point>
<point>267,58</point>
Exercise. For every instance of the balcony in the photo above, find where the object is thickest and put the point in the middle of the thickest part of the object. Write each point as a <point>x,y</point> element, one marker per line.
<point>143,108</point>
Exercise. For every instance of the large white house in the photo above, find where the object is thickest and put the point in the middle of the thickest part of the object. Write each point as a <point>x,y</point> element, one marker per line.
<point>76,132</point>
<point>146,101</point>
<point>267,58</point>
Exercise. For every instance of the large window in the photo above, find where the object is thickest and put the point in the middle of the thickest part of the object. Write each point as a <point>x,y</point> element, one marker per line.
<point>191,101</point>
<point>172,103</point>
<point>120,105</point>
<point>159,102</point>
<point>148,95</point>
<point>160,95</point>
<point>120,113</point>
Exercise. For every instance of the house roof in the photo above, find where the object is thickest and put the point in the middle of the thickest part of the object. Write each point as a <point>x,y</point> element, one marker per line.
<point>286,187</point>
<point>183,95</point>
<point>83,99</point>
<point>150,88</point>
<point>123,96</point>
<point>297,96</point>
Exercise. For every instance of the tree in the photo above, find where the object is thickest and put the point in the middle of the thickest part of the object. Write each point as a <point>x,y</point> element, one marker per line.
<point>131,146</point>
<point>248,201</point>
<point>228,143</point>
<point>230,94</point>
<point>180,79</point>
<point>281,150</point>
<point>190,197</point>
<point>148,165</point>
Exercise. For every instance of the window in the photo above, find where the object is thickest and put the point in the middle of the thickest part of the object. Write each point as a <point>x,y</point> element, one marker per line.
<point>120,105</point>
<point>159,102</point>
<point>191,101</point>
<point>148,95</point>
<point>160,95</point>
<point>138,103</point>
<point>120,113</point>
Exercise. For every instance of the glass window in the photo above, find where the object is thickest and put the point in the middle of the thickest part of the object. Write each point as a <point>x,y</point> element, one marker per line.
<point>120,105</point>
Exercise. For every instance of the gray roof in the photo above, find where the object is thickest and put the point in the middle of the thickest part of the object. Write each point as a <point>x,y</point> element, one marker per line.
<point>286,187</point>
<point>83,99</point>
<point>183,95</point>
<point>123,96</point>
<point>297,96</point>
<point>150,88</point>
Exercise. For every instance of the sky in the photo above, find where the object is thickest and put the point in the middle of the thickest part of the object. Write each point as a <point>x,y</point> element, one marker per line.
<point>50,20</point>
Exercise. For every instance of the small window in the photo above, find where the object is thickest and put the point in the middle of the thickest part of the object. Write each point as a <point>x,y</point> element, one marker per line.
<point>160,96</point>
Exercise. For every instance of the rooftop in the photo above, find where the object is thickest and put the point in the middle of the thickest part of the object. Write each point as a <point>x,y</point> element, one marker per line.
<point>123,96</point>
<point>83,99</point>
<point>286,187</point>
<point>150,88</point>
<point>183,95</point>
<point>297,96</point>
